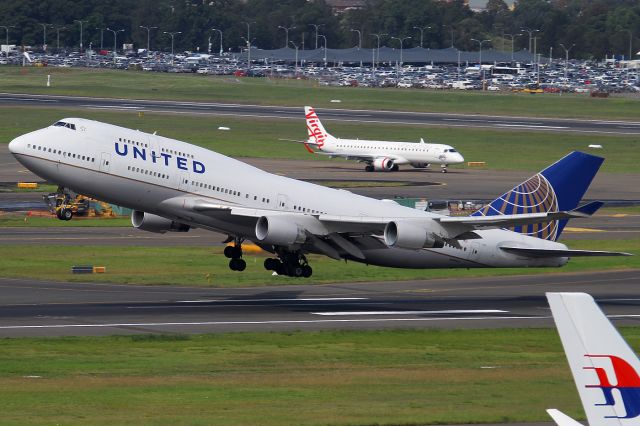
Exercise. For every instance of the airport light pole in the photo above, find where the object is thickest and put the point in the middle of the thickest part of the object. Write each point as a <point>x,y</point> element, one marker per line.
<point>316,26</point>
<point>421,29</point>
<point>296,61</point>
<point>377,36</point>
<point>115,42</point>
<point>566,60</point>
<point>58,37</point>
<point>530,32</point>
<point>325,48</point>
<point>512,36</point>
<point>401,40</point>
<point>359,37</point>
<point>220,31</point>
<point>148,36</point>
<point>481,42</point>
<point>44,36</point>
<point>101,37</point>
<point>172,34</point>
<point>6,28</point>
<point>452,30</point>
<point>286,30</point>
<point>248,40</point>
<point>81,33</point>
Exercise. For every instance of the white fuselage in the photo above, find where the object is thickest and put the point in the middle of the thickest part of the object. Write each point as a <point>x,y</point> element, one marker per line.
<point>418,154</point>
<point>154,174</point>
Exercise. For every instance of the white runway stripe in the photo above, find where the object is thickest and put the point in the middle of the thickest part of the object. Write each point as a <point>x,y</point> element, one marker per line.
<point>452,311</point>
<point>309,299</point>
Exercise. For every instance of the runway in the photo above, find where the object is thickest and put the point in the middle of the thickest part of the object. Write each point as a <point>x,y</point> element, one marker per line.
<point>35,308</point>
<point>616,127</point>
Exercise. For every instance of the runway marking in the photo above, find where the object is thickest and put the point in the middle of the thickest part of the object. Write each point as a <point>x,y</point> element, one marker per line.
<point>316,299</point>
<point>531,126</point>
<point>583,230</point>
<point>209,323</point>
<point>451,311</point>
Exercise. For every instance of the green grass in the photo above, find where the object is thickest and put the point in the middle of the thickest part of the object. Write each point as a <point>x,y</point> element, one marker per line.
<point>408,377</point>
<point>139,85</point>
<point>501,150</point>
<point>198,266</point>
<point>24,220</point>
<point>42,188</point>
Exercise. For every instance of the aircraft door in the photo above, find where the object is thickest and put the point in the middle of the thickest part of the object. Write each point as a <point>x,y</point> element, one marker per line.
<point>105,159</point>
<point>283,202</point>
<point>183,183</point>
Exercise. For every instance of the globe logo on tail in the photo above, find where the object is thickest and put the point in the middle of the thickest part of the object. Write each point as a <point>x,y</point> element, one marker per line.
<point>536,195</point>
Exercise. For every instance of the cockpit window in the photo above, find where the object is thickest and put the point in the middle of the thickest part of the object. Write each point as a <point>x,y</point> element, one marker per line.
<point>450,150</point>
<point>63,124</point>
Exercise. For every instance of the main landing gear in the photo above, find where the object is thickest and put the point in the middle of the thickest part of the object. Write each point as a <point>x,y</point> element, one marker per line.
<point>444,168</point>
<point>234,253</point>
<point>292,264</point>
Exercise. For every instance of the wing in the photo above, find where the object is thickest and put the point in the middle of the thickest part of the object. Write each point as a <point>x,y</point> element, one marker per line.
<point>536,252</point>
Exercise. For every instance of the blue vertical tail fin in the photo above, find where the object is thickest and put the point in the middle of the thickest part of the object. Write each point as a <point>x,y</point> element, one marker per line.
<point>559,187</point>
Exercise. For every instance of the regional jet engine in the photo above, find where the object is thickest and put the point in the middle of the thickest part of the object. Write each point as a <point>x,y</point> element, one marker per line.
<point>153,223</point>
<point>383,165</point>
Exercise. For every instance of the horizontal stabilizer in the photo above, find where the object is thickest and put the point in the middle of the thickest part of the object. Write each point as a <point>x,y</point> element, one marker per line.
<point>540,252</point>
<point>561,418</point>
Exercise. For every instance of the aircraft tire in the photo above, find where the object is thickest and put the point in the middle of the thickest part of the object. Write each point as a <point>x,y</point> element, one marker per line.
<point>271,264</point>
<point>232,252</point>
<point>368,168</point>
<point>307,271</point>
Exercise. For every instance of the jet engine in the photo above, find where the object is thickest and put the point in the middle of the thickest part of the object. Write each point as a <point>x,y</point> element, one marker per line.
<point>409,235</point>
<point>383,165</point>
<point>153,223</point>
<point>280,231</point>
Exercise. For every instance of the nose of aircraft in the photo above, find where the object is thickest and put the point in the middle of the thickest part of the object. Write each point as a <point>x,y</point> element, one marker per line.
<point>15,145</point>
<point>459,158</point>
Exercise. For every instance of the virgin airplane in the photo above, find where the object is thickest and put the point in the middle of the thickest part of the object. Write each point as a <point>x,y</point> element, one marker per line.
<point>379,156</point>
<point>174,186</point>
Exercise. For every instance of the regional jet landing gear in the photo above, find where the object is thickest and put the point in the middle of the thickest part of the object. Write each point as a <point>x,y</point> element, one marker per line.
<point>292,264</point>
<point>234,253</point>
<point>444,168</point>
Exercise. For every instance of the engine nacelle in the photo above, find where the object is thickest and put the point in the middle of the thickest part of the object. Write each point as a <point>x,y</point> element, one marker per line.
<point>153,223</point>
<point>383,164</point>
<point>280,231</point>
<point>409,235</point>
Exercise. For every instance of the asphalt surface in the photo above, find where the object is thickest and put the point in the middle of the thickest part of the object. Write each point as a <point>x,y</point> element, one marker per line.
<point>35,308</point>
<point>344,115</point>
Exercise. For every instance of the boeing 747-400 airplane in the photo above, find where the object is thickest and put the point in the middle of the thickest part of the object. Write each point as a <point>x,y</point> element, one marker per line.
<point>172,186</point>
<point>380,156</point>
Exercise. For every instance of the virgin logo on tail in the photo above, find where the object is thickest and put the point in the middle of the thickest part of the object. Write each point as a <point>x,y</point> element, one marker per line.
<point>627,384</point>
<point>314,128</point>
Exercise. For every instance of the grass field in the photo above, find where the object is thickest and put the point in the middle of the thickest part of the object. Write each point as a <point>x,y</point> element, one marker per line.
<point>259,137</point>
<point>312,378</point>
<point>198,266</point>
<point>141,85</point>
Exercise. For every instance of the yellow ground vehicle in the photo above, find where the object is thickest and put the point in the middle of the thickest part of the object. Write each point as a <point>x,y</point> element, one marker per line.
<point>532,88</point>
<point>64,207</point>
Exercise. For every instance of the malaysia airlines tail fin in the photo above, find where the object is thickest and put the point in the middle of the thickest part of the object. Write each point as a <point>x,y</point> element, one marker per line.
<point>559,187</point>
<point>317,134</point>
<point>604,367</point>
